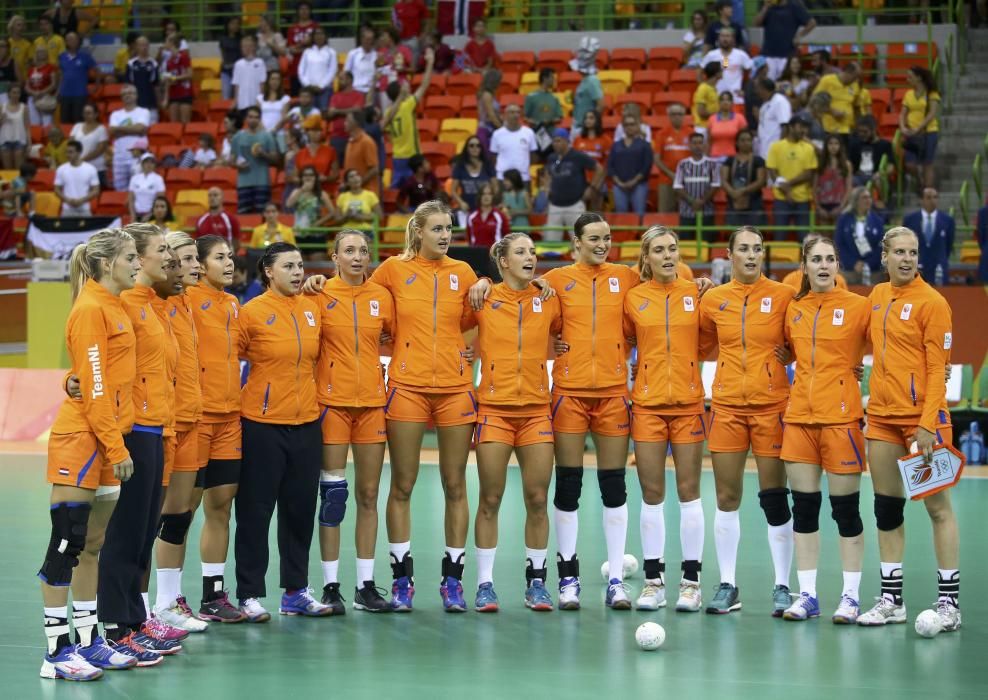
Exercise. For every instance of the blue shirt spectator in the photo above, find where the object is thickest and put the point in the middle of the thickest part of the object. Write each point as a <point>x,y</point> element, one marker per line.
<point>935,230</point>
<point>628,166</point>
<point>981,233</point>
<point>75,69</point>
<point>782,20</point>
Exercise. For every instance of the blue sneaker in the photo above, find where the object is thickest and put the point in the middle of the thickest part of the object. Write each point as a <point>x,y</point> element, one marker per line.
<point>102,655</point>
<point>302,603</point>
<point>805,607</point>
<point>569,593</point>
<point>158,646</point>
<point>402,592</point>
<point>486,598</point>
<point>129,646</point>
<point>68,665</point>
<point>537,597</point>
<point>617,595</point>
<point>451,591</point>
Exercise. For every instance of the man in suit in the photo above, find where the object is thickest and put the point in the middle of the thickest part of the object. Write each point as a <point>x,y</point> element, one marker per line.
<point>935,230</point>
<point>981,234</point>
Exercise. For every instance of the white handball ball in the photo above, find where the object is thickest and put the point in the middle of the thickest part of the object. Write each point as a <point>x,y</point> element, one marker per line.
<point>650,636</point>
<point>605,571</point>
<point>630,565</point>
<point>928,624</point>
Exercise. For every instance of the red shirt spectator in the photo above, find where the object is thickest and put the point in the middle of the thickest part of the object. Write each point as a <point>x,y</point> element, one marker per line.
<point>480,49</point>
<point>323,160</point>
<point>41,77</point>
<point>217,222</point>
<point>671,145</point>
<point>178,63</point>
<point>458,16</point>
<point>299,36</point>
<point>407,16</point>
<point>347,98</point>
<point>486,230</point>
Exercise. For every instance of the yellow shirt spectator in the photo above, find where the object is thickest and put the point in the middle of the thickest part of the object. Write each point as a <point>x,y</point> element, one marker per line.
<point>706,95</point>
<point>789,160</point>
<point>916,107</point>
<point>120,60</point>
<point>363,203</point>
<point>262,236</point>
<point>403,131</point>
<point>54,44</point>
<point>22,52</point>
<point>853,100</point>
<point>56,154</point>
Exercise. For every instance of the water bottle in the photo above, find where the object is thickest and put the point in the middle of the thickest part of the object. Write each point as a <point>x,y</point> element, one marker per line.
<point>866,275</point>
<point>938,276</point>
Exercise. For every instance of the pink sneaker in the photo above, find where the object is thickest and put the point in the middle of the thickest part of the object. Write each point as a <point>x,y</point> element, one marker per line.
<point>157,629</point>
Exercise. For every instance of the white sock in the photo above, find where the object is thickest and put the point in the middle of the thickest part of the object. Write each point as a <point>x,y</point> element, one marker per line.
<point>327,476</point>
<point>537,557</point>
<point>147,605</point>
<point>330,572</point>
<point>399,549</point>
<point>455,553</point>
<point>852,583</point>
<point>727,534</point>
<point>169,582</point>
<point>365,571</point>
<point>485,565</point>
<point>615,534</point>
<point>652,524</point>
<point>567,527</point>
<point>807,582</point>
<point>213,569</point>
<point>780,542</point>
<point>691,529</point>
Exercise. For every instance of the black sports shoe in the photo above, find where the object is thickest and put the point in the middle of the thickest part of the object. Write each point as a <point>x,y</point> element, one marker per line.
<point>370,598</point>
<point>331,597</point>
<point>218,608</point>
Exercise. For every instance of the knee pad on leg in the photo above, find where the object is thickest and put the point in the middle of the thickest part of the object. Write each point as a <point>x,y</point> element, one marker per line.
<point>174,526</point>
<point>806,511</point>
<point>847,515</point>
<point>612,489</point>
<point>888,511</point>
<point>69,522</point>
<point>775,503</point>
<point>333,497</point>
<point>569,485</point>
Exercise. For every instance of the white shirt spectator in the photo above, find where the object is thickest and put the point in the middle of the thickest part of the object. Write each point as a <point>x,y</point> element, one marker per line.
<point>248,76</point>
<point>76,181</point>
<point>514,150</point>
<point>122,117</point>
<point>771,116</point>
<point>90,142</point>
<point>318,67</point>
<point>205,156</point>
<point>145,189</point>
<point>361,65</point>
<point>734,65</point>
<point>271,111</point>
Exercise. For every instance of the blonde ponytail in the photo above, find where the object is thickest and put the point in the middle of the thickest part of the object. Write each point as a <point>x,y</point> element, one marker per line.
<point>416,224</point>
<point>86,260</point>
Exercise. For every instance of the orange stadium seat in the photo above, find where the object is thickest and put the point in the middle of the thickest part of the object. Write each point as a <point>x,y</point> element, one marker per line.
<point>880,100</point>
<point>664,58</point>
<point>113,203</point>
<point>627,59</point>
<point>184,178</point>
<point>219,108</point>
<point>442,106</point>
<point>463,84</point>
<point>438,152</point>
<point>219,177</point>
<point>428,129</point>
<point>642,99</point>
<point>649,80</point>
<point>516,61</point>
<point>172,149</point>
<point>557,60</point>
<point>683,79</point>
<point>568,80</point>
<point>506,100</point>
<point>660,219</point>
<point>510,82</point>
<point>43,180</point>
<point>661,100</point>
<point>888,124</point>
<point>193,130</point>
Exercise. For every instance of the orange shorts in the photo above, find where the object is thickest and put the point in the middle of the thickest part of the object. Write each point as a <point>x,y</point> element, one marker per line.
<point>680,430</point>
<point>186,448</point>
<point>838,449</point>
<point>516,431</point>
<point>352,426</point>
<point>169,445</point>
<point>904,433</point>
<point>219,441</point>
<point>77,459</point>
<point>610,415</point>
<point>761,432</point>
<point>445,410</point>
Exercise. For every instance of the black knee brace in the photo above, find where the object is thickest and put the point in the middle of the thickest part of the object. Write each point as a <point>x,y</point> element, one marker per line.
<point>847,515</point>
<point>888,511</point>
<point>612,489</point>
<point>173,527</point>
<point>775,503</point>
<point>569,485</point>
<point>806,511</point>
<point>68,538</point>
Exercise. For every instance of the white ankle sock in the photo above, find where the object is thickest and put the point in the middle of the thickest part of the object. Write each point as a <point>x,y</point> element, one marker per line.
<point>365,571</point>
<point>652,524</point>
<point>616,534</point>
<point>727,535</point>
<point>169,582</point>
<point>780,542</point>
<point>567,527</point>
<point>807,581</point>
<point>147,605</point>
<point>330,572</point>
<point>485,565</point>
<point>691,529</point>
<point>852,584</point>
<point>399,549</point>
<point>537,557</point>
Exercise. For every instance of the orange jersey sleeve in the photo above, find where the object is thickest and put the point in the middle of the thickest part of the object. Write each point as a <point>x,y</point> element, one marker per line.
<point>102,350</point>
<point>349,371</point>
<point>188,393</point>
<point>430,302</point>
<point>827,335</point>
<point>665,320</point>
<point>216,316</point>
<point>592,302</point>
<point>153,394</point>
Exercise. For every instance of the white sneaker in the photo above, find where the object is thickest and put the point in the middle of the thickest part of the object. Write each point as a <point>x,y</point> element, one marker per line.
<point>690,597</point>
<point>569,593</point>
<point>949,614</point>
<point>885,612</point>
<point>653,595</point>
<point>255,612</point>
<point>847,612</point>
<point>617,595</point>
<point>181,617</point>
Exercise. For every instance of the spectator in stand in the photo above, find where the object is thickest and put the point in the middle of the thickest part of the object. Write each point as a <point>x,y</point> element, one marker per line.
<point>445,56</point>
<point>299,39</point>
<point>725,20</point>
<point>820,65</point>
<point>697,181</point>
<point>305,108</point>
<point>670,146</point>
<point>792,164</point>
<point>127,125</point>
<point>311,205</point>
<point>142,73</point>
<point>243,287</point>
<point>774,112</point>
<point>47,39</point>
<point>589,94</point>
<point>356,207</point>
<point>543,111</point>
<point>76,183</point>
<point>399,122</point>
<point>471,171</point>
<point>408,16</point>
<point>342,103</point>
<point>786,22</point>
<point>487,224</point>
<point>253,150</point>
<point>315,153</point>
<point>15,198</point>
<point>849,99</point>
<point>229,45</point>
<point>8,69</point>
<point>41,85</point>
<point>818,106</point>
<point>274,104</point>
<point>54,153</point>
<point>480,50</point>
<point>935,231</point>
<point>705,96</point>
<point>372,126</point>
<point>516,202</point>
<point>162,215</point>
<point>591,139</point>
<point>858,236</point>
<point>629,165</point>
<point>632,109</point>
<point>205,156</point>
<point>513,144</point>
<point>833,181</point>
<point>75,67</point>
<point>177,77</point>
<point>216,222</point>
<point>743,176</point>
<point>169,27</point>
<point>249,75</point>
<point>362,60</point>
<point>420,186</point>
<point>981,235</point>
<point>569,190</point>
<point>488,108</point>
<point>270,44</point>
<point>457,16</point>
<point>20,48</point>
<point>271,230</point>
<point>144,187</point>
<point>94,139</point>
<point>866,151</point>
<point>733,61</point>
<point>65,17</point>
<point>752,102</point>
<point>233,122</point>
<point>317,69</point>
<point>694,40</point>
<point>361,152</point>
<point>394,59</point>
<point>723,128</point>
<point>795,83</point>
<point>919,122</point>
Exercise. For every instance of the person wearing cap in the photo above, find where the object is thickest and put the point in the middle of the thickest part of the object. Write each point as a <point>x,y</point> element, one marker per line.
<point>315,152</point>
<point>589,94</point>
<point>543,111</point>
<point>568,188</point>
<point>144,187</point>
<point>733,60</point>
<point>127,125</point>
<point>792,165</point>
<point>775,111</point>
<point>786,22</point>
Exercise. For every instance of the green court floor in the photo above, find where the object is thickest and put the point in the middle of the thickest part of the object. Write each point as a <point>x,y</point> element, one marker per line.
<point>517,653</point>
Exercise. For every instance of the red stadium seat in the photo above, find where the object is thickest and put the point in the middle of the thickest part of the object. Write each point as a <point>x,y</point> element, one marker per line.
<point>442,107</point>
<point>888,125</point>
<point>568,80</point>
<point>516,61</point>
<point>173,149</point>
<point>43,181</point>
<point>649,80</point>
<point>506,100</point>
<point>683,79</point>
<point>463,84</point>
<point>510,82</point>
<point>626,219</point>
<point>661,100</point>
<point>219,177</point>
<point>664,58</point>
<point>880,100</point>
<point>557,60</point>
<point>660,219</point>
<point>112,203</point>
<point>428,129</point>
<point>627,59</point>
<point>642,99</point>
<point>193,130</point>
<point>438,152</point>
<point>184,178</point>
<point>111,91</point>
<point>219,108</point>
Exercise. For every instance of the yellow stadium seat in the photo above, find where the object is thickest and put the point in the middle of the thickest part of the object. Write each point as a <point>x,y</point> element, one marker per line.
<point>615,82</point>
<point>114,16</point>
<point>211,85</point>
<point>205,67</point>
<point>193,197</point>
<point>252,12</point>
<point>47,204</point>
<point>457,130</point>
<point>8,175</point>
<point>970,252</point>
<point>565,101</point>
<point>183,212</point>
<point>395,221</point>
<point>783,251</point>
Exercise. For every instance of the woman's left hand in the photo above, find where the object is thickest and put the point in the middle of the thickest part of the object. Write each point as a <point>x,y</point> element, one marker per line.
<point>547,291</point>
<point>479,292</point>
<point>783,354</point>
<point>702,285</point>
